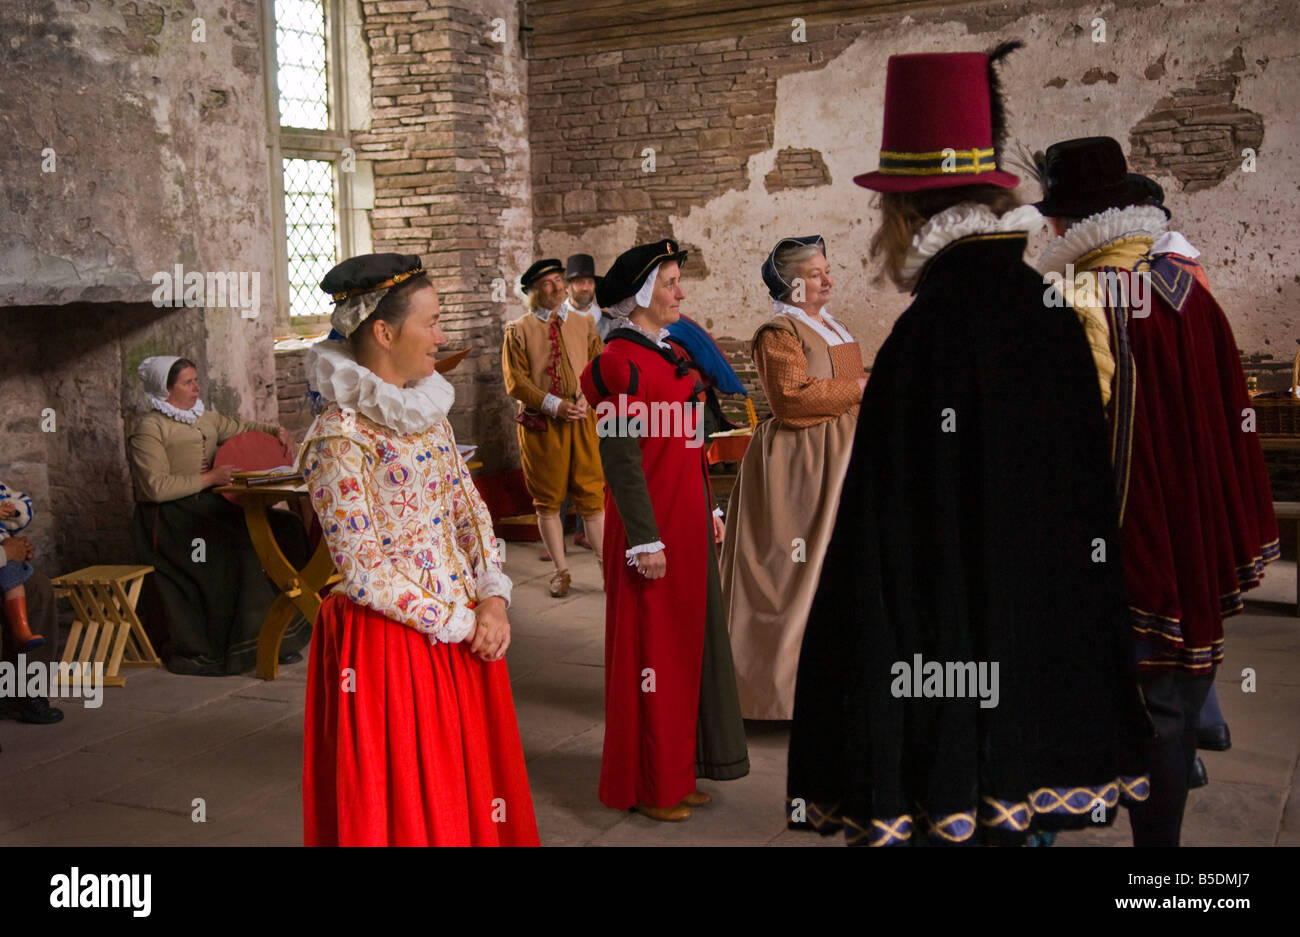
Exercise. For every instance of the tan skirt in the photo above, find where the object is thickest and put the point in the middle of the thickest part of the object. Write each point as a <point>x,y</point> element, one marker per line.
<point>779,523</point>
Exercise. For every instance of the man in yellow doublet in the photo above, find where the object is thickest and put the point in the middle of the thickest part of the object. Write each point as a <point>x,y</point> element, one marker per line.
<point>543,354</point>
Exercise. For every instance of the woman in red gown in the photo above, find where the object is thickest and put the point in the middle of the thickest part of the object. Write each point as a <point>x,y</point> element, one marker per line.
<point>672,713</point>
<point>411,736</point>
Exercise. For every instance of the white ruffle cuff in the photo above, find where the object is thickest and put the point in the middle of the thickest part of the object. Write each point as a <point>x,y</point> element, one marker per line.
<point>493,582</point>
<point>643,548</point>
<point>456,628</point>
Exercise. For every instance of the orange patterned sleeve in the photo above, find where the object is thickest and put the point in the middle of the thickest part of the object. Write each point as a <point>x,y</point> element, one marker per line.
<point>797,399</point>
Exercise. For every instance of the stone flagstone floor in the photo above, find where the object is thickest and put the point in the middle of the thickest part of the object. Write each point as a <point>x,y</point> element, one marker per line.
<point>128,772</point>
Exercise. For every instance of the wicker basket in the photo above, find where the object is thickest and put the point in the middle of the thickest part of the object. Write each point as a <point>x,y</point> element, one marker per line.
<point>1280,416</point>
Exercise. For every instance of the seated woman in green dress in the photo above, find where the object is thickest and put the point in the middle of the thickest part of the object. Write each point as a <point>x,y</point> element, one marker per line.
<point>210,584</point>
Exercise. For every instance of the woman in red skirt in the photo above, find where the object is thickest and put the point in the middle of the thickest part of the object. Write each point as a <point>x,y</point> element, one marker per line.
<point>411,737</point>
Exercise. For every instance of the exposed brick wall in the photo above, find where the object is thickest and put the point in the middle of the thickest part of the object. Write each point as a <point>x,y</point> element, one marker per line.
<point>441,184</point>
<point>1197,134</point>
<point>291,392</point>
<point>737,352</point>
<point>797,169</point>
<point>703,107</point>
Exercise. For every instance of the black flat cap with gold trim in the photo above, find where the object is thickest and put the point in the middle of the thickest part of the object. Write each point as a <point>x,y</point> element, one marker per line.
<point>538,270</point>
<point>628,272</point>
<point>369,272</point>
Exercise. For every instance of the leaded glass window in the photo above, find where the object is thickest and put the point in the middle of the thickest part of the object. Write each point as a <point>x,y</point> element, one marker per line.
<point>317,221</point>
<point>300,43</point>
<point>311,232</point>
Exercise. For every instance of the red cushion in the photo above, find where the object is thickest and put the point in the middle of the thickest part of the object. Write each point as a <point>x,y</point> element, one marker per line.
<point>252,452</point>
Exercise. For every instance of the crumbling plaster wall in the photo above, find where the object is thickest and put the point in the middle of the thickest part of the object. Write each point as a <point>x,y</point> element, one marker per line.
<point>1063,84</point>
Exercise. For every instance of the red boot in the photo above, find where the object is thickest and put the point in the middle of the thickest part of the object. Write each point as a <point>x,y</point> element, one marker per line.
<point>16,615</point>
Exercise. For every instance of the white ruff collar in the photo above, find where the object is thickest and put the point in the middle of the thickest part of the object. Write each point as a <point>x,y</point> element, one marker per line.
<point>335,375</point>
<point>1099,229</point>
<point>167,408</point>
<point>831,331</point>
<point>963,220</point>
<point>592,310</point>
<point>562,310</point>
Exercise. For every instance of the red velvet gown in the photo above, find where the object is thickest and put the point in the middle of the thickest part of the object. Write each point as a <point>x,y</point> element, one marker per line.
<point>656,631</point>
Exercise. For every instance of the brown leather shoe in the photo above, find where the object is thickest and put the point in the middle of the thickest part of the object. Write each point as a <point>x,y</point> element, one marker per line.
<point>676,814</point>
<point>560,584</point>
<point>697,799</point>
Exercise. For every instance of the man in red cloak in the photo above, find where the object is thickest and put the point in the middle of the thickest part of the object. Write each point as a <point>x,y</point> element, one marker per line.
<point>1196,512</point>
<point>672,713</point>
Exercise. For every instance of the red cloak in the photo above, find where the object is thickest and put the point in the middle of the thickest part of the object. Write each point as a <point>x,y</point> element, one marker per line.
<point>1198,522</point>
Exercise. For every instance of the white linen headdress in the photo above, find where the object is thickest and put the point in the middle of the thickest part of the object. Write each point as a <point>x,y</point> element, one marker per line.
<point>153,374</point>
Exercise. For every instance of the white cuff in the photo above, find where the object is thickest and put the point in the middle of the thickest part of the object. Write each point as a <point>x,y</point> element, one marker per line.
<point>717,512</point>
<point>456,628</point>
<point>551,406</point>
<point>643,548</point>
<point>493,582</point>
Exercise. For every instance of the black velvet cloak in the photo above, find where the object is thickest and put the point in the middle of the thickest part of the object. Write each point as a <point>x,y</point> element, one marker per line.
<point>977,524</point>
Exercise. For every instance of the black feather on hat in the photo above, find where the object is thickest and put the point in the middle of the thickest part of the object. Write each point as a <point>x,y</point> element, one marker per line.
<point>998,106</point>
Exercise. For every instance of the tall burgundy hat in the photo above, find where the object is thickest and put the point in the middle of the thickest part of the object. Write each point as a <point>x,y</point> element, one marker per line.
<point>937,102</point>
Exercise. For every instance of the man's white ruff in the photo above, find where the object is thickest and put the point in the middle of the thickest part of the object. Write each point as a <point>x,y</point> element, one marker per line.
<point>963,220</point>
<point>1101,228</point>
<point>167,408</point>
<point>335,375</point>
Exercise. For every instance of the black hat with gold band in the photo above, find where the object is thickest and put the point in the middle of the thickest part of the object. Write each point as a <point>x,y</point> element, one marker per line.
<point>538,270</point>
<point>629,271</point>
<point>359,283</point>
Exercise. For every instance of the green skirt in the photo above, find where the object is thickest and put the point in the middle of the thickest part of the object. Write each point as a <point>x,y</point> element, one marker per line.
<point>211,596</point>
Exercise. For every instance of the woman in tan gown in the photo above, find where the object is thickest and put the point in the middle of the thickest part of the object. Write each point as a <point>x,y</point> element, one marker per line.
<point>783,508</point>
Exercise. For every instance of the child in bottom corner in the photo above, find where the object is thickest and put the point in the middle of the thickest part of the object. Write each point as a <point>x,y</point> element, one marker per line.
<point>16,514</point>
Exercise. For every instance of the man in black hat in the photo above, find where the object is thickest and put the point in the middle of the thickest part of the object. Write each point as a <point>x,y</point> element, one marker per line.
<point>580,272</point>
<point>544,353</point>
<point>1196,518</point>
<point>580,277</point>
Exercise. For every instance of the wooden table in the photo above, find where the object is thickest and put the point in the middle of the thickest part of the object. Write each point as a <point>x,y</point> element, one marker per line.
<point>299,588</point>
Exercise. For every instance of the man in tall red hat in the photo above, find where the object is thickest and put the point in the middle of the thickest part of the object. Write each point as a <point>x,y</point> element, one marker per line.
<point>967,671</point>
<point>1195,506</point>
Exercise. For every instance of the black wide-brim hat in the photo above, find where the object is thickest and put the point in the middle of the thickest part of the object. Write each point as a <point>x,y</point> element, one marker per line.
<point>1087,175</point>
<point>629,271</point>
<point>776,287</point>
<point>538,270</point>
